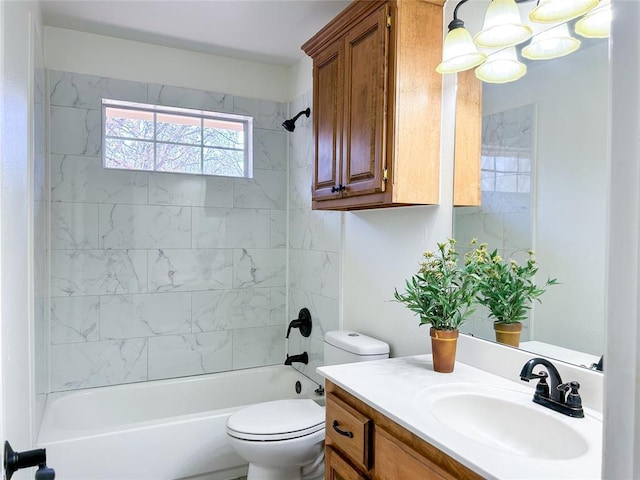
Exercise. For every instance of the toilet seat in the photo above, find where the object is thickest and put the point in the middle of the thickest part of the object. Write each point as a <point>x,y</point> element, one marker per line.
<point>277,420</point>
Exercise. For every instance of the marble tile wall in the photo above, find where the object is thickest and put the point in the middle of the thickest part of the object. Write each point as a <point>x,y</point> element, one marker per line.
<point>157,275</point>
<point>314,249</point>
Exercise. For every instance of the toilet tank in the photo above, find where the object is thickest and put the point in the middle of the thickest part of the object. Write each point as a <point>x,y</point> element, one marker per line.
<point>344,346</point>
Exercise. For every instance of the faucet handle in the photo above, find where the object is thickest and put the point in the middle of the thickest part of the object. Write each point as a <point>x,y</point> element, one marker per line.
<point>573,398</point>
<point>563,388</point>
<point>542,388</point>
<point>303,322</point>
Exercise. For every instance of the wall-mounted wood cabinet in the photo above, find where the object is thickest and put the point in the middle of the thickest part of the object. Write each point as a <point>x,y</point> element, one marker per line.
<point>363,444</point>
<point>377,105</point>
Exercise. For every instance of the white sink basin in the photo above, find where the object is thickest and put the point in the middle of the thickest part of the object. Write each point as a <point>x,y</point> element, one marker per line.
<point>504,419</point>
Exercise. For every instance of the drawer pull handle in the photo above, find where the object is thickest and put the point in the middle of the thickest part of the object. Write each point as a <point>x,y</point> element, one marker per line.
<point>336,427</point>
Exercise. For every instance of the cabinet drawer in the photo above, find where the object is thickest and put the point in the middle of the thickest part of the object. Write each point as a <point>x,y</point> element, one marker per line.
<point>395,460</point>
<point>349,431</point>
<point>338,468</point>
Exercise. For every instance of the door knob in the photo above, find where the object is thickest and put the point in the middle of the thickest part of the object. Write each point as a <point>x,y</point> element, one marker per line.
<point>14,461</point>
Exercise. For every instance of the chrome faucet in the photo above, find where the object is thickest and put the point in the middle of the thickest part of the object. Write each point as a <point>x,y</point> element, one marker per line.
<point>302,358</point>
<point>561,397</point>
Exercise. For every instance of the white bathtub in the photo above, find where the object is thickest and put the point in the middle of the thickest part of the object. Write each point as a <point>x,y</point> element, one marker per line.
<point>166,429</point>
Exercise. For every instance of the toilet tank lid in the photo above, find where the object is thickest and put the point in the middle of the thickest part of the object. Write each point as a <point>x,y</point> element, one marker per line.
<point>357,343</point>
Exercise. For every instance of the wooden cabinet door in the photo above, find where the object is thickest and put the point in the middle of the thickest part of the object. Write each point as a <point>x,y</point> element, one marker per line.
<point>365,104</point>
<point>394,460</point>
<point>327,95</point>
<point>337,468</point>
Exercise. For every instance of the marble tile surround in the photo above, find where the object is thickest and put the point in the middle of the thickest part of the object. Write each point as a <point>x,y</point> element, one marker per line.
<point>314,250</point>
<point>157,275</point>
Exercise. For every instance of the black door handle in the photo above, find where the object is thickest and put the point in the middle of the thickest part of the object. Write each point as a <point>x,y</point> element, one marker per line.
<point>14,461</point>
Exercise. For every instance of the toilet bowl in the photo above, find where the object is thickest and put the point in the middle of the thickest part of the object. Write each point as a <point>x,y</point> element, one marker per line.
<point>284,439</point>
<point>281,440</point>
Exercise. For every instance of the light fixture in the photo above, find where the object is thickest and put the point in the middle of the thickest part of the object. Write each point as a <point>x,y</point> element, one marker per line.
<point>554,11</point>
<point>290,125</point>
<point>502,26</point>
<point>596,23</point>
<point>459,53</point>
<point>551,43</point>
<point>492,50</point>
<point>502,66</point>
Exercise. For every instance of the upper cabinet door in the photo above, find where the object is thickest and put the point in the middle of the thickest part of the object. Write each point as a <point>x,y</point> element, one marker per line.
<point>365,104</point>
<point>376,63</point>
<point>327,111</point>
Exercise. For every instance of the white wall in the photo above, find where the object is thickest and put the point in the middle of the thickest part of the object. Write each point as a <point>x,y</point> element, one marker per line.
<point>301,79</point>
<point>19,19</point>
<point>382,248</point>
<point>73,51</point>
<point>622,362</point>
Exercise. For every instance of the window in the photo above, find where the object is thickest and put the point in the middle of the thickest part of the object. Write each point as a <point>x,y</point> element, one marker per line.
<point>146,137</point>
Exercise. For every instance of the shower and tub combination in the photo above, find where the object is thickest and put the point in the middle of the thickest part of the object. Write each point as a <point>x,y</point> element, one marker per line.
<point>164,429</point>
<point>160,430</point>
<point>178,428</point>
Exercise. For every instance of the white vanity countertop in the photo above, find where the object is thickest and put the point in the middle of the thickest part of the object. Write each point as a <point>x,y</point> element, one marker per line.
<point>392,387</point>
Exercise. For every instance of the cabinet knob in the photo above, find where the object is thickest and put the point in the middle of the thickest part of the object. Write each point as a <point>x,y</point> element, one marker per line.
<point>339,188</point>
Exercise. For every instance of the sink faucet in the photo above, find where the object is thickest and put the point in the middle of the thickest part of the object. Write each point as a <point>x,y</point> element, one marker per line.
<point>554,394</point>
<point>301,358</point>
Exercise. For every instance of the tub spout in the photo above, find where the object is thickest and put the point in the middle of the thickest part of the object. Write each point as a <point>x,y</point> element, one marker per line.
<point>302,358</point>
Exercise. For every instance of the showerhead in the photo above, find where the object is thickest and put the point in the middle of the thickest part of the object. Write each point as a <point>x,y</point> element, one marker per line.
<point>290,125</point>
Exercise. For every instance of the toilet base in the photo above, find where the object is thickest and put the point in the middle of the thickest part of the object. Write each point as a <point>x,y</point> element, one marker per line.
<point>259,472</point>
<point>312,471</point>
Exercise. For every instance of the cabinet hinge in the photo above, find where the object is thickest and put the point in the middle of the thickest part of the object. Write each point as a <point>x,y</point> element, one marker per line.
<point>385,175</point>
<point>388,21</point>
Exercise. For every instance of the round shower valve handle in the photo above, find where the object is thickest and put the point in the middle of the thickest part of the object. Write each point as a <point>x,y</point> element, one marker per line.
<point>303,322</point>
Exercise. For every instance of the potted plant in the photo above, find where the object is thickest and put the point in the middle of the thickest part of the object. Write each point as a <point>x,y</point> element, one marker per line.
<point>441,294</point>
<point>507,289</point>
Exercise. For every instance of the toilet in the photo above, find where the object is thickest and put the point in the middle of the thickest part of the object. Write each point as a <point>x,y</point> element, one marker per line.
<point>284,439</point>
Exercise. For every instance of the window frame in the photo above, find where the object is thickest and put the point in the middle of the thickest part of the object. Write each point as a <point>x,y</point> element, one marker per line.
<point>202,115</point>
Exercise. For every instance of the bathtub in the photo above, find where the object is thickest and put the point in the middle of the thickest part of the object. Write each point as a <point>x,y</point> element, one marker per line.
<point>165,429</point>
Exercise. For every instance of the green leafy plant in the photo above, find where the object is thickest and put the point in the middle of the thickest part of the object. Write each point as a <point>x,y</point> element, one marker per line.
<point>442,292</point>
<point>506,288</point>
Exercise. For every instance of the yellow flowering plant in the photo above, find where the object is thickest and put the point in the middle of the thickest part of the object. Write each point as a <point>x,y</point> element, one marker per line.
<point>442,292</point>
<point>506,288</point>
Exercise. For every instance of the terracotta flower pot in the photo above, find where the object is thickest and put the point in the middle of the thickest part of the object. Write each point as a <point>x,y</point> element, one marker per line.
<point>508,333</point>
<point>443,348</point>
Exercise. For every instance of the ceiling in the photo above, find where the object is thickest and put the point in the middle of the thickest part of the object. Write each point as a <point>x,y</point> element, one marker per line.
<point>266,31</point>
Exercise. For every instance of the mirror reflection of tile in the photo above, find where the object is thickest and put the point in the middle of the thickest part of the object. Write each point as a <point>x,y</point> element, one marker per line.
<point>503,220</point>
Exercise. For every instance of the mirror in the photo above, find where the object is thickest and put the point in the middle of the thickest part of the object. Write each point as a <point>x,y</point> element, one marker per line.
<point>544,188</point>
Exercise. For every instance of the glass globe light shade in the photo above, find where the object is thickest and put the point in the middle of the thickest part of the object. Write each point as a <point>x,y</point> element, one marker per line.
<point>551,43</point>
<point>554,11</point>
<point>459,53</point>
<point>596,23</point>
<point>502,26</point>
<point>502,66</point>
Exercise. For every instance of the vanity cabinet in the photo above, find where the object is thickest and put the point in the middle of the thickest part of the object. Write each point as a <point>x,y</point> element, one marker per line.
<point>363,444</point>
<point>377,105</point>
